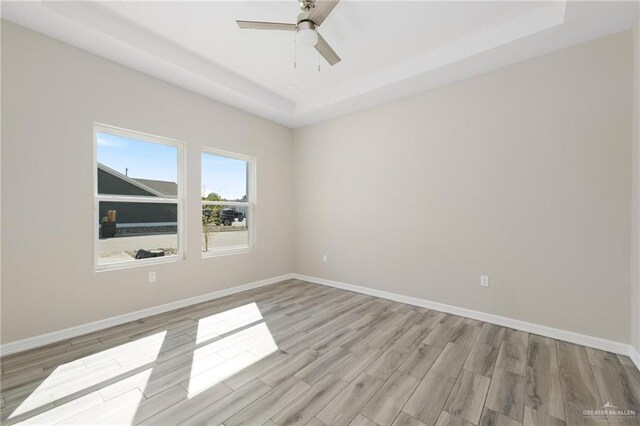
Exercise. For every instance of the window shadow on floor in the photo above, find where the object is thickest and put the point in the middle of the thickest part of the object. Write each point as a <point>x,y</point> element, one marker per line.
<point>199,354</point>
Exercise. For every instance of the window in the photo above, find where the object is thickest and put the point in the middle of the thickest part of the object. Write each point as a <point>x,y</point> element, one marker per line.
<point>228,202</point>
<point>138,198</point>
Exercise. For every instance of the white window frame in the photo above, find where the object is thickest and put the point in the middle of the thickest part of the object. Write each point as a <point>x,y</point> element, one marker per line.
<point>179,201</point>
<point>250,203</point>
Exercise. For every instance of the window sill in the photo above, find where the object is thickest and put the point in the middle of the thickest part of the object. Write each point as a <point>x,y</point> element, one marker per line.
<point>137,263</point>
<point>231,252</point>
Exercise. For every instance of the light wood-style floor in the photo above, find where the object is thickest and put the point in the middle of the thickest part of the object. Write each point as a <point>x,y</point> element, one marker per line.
<point>300,353</point>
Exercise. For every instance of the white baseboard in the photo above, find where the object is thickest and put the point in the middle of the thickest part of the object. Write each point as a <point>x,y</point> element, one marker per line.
<point>568,336</point>
<point>555,333</point>
<point>57,336</point>
<point>635,356</point>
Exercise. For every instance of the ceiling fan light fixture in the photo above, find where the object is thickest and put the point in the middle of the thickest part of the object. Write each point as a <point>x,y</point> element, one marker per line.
<point>307,37</point>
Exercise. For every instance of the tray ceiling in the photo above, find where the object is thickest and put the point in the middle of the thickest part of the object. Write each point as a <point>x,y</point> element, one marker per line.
<point>389,49</point>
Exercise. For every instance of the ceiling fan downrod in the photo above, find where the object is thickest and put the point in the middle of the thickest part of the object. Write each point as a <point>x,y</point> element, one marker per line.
<point>306,5</point>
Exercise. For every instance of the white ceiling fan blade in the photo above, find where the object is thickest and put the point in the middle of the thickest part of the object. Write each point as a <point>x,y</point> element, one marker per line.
<point>258,25</point>
<point>319,13</point>
<point>326,51</point>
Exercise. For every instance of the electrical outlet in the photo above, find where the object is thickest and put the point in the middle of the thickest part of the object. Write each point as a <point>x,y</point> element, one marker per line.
<point>324,258</point>
<point>152,277</point>
<point>484,280</point>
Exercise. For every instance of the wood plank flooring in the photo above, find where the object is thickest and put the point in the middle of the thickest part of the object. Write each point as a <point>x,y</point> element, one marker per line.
<point>297,353</point>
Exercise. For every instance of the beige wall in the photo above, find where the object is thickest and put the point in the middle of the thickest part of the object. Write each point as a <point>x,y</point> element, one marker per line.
<point>522,174</point>
<point>52,93</point>
<point>635,196</point>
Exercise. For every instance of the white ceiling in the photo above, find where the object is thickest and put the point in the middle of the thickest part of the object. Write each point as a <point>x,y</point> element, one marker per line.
<point>389,49</point>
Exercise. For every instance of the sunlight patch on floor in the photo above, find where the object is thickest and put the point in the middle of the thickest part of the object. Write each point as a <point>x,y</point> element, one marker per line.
<point>227,321</point>
<point>221,359</point>
<point>87,409</point>
<point>225,344</point>
<point>90,371</point>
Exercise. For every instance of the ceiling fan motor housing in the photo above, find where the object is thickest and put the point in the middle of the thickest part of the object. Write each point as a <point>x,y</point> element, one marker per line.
<point>306,24</point>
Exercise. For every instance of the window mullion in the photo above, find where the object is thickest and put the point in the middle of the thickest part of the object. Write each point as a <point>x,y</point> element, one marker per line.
<point>136,199</point>
<point>225,203</point>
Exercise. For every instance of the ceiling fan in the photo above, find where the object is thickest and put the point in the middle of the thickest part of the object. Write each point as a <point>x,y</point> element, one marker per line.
<point>312,16</point>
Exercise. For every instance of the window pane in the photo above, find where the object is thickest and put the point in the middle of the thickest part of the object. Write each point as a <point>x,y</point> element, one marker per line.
<point>225,228</point>
<point>127,228</point>
<point>128,166</point>
<point>223,178</point>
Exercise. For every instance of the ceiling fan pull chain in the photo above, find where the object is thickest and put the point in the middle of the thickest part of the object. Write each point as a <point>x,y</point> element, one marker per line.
<point>295,50</point>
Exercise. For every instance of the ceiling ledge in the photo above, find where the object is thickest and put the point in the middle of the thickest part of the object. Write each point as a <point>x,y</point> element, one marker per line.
<point>475,44</point>
<point>124,42</point>
<point>575,29</point>
<point>105,32</point>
